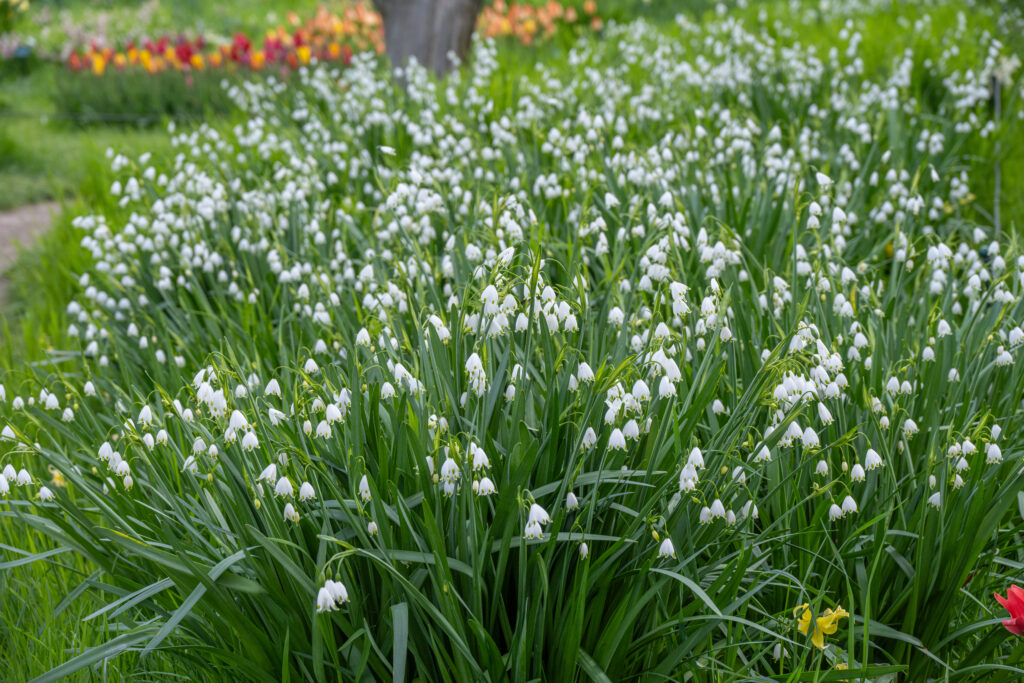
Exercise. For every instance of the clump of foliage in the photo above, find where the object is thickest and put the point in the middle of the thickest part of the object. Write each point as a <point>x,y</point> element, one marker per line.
<point>687,356</point>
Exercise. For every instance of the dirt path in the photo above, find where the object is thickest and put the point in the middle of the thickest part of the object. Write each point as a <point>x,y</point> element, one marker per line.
<point>20,228</point>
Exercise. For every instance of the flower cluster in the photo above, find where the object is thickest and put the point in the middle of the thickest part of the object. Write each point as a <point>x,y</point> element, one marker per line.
<point>528,23</point>
<point>326,37</point>
<point>719,338</point>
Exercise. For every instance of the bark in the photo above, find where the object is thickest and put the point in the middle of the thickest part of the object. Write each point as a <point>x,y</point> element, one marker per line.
<point>428,30</point>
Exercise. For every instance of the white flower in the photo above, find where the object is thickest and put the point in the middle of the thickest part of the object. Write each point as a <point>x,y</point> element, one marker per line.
<point>190,465</point>
<point>834,512</point>
<point>849,505</point>
<point>993,454</point>
<point>935,500</point>
<point>666,388</point>
<point>538,515</point>
<point>584,373</point>
<point>533,530</point>
<point>337,591</point>
<point>45,494</point>
<point>324,601</point>
<point>666,550</point>
<point>306,491</point>
<point>872,460</point>
<point>146,416</point>
<point>269,474</point>
<point>485,487</point>
<point>584,551</point>
<point>364,489</point>
<point>589,438</point>
<point>290,513</point>
<point>717,509</point>
<point>810,438</point>
<point>821,469</point>
<point>571,503</point>
<point>9,473</point>
<point>480,460</point>
<point>5,488</point>
<point>857,473</point>
<point>705,515</point>
<point>617,441</point>
<point>909,428</point>
<point>284,488</point>
<point>24,478</point>
<point>450,470</point>
<point>696,458</point>
<point>250,442</point>
<point>371,528</point>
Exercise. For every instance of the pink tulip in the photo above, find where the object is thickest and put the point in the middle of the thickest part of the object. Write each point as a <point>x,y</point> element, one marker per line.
<point>1014,604</point>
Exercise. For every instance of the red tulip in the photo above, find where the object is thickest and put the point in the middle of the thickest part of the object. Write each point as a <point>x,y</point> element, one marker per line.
<point>1014,604</point>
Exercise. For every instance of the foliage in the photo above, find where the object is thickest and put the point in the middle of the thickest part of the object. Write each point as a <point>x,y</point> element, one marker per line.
<point>730,292</point>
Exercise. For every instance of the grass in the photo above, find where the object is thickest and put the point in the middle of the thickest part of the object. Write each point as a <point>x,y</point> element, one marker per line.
<point>43,157</point>
<point>447,587</point>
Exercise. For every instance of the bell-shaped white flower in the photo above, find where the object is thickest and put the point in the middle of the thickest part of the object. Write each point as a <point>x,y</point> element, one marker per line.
<point>284,488</point>
<point>539,515</point>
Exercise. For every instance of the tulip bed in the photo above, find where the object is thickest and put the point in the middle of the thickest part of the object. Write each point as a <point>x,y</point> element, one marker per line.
<point>688,355</point>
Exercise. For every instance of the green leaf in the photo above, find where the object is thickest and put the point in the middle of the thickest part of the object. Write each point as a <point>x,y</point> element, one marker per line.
<point>32,558</point>
<point>109,649</point>
<point>198,592</point>
<point>692,585</point>
<point>591,668</point>
<point>400,626</point>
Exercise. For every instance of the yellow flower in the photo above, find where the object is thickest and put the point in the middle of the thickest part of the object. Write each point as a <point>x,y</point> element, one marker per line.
<point>58,478</point>
<point>826,624</point>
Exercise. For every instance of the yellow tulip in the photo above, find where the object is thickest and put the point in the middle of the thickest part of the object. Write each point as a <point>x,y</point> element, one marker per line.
<point>826,624</point>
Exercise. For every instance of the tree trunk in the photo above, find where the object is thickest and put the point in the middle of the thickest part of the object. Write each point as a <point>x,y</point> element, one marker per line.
<point>428,30</point>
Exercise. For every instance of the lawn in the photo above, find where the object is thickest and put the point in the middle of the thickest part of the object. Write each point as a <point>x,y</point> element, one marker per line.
<point>681,350</point>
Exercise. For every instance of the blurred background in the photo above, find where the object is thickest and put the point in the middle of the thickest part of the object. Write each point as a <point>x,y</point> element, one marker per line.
<point>77,76</point>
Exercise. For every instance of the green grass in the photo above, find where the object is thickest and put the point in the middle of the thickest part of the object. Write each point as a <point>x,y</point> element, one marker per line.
<point>45,157</point>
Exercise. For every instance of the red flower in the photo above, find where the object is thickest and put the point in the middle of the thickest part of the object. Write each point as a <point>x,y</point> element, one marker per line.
<point>184,52</point>
<point>1014,604</point>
